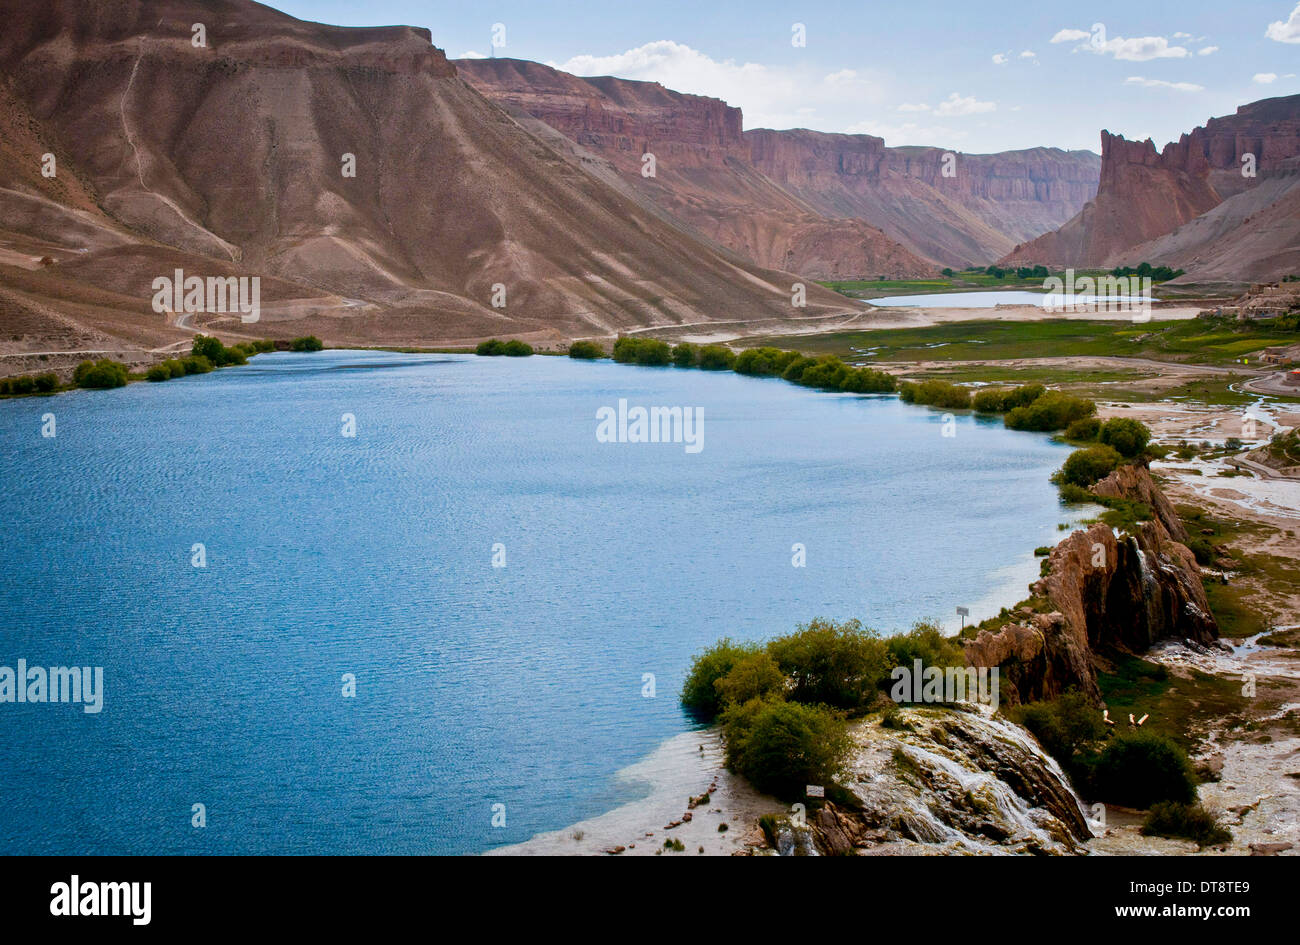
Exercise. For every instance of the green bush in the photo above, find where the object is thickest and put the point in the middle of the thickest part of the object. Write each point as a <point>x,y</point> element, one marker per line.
<point>1185,822</point>
<point>103,373</point>
<point>699,692</point>
<point>1084,467</point>
<point>1084,430</point>
<point>924,642</point>
<point>174,367</point>
<point>836,664</point>
<point>764,362</point>
<point>159,372</point>
<point>46,382</point>
<point>24,385</point>
<point>307,343</point>
<point>781,747</point>
<point>196,364</point>
<point>752,676</point>
<point>1127,436</point>
<point>685,354</point>
<point>794,370</point>
<point>491,348</point>
<point>935,394</point>
<point>716,358</point>
<point>1054,410</point>
<point>1068,728</point>
<point>1000,401</point>
<point>586,350</point>
<point>649,351</point>
<point>1137,769</point>
<point>826,373</point>
<point>517,349</point>
<point>868,381</point>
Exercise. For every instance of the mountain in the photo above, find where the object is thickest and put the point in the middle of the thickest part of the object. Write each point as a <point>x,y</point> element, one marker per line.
<point>1190,206</point>
<point>703,175</point>
<point>230,157</point>
<point>827,205</point>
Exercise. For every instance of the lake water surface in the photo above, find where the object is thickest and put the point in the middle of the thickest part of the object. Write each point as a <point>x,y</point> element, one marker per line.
<point>524,686</point>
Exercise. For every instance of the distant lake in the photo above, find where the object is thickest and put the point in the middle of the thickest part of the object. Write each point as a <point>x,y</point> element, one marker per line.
<point>372,556</point>
<point>986,299</point>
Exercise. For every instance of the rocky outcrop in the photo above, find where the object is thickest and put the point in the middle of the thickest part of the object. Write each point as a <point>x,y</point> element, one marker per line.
<point>1101,593</point>
<point>944,781</point>
<point>1190,205</point>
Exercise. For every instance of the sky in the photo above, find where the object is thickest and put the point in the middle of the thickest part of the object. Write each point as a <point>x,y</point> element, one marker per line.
<point>975,77</point>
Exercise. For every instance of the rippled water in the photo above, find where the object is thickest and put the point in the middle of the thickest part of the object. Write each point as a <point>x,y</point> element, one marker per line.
<point>327,555</point>
<point>997,297</point>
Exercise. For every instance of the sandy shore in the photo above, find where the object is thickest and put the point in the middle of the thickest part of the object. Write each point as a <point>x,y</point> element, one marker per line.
<point>682,768</point>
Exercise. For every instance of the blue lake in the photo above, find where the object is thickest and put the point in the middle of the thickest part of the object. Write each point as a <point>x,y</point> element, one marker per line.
<point>372,555</point>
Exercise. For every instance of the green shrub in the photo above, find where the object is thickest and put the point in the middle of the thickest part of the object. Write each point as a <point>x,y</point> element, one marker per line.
<point>1184,822</point>
<point>46,382</point>
<point>685,354</point>
<point>1068,727</point>
<point>196,364</point>
<point>752,676</point>
<point>868,381</point>
<point>307,343</point>
<point>1000,401</point>
<point>649,351</point>
<point>794,370</point>
<point>174,367</point>
<point>491,348</point>
<point>1087,466</point>
<point>781,747</point>
<point>837,664</point>
<point>1054,410</point>
<point>586,350</point>
<point>1137,769</point>
<point>1084,430</point>
<point>936,394</point>
<point>699,692</point>
<point>517,349</point>
<point>764,362</point>
<point>826,373</point>
<point>1127,436</point>
<point>924,642</point>
<point>24,385</point>
<point>159,372</point>
<point>103,373</point>
<point>716,358</point>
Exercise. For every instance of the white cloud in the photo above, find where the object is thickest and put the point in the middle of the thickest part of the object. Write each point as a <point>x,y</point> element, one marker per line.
<point>1207,51</point>
<point>1288,32</point>
<point>913,108</point>
<point>1182,36</point>
<point>1162,84</point>
<point>908,133</point>
<point>999,59</point>
<point>771,96</point>
<point>1265,78</point>
<point>471,54</point>
<point>1028,54</point>
<point>1129,49</point>
<point>955,104</point>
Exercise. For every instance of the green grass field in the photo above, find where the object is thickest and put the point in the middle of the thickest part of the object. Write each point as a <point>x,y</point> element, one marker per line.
<point>1194,341</point>
<point>874,288</point>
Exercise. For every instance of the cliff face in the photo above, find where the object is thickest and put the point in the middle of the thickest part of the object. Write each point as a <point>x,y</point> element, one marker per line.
<point>233,154</point>
<point>1104,594</point>
<point>1189,205</point>
<point>825,205</point>
<point>977,214</point>
<point>702,175</point>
